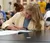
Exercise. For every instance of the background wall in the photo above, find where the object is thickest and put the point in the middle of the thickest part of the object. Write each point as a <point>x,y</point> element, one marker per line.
<point>1,3</point>
<point>6,7</point>
<point>5,4</point>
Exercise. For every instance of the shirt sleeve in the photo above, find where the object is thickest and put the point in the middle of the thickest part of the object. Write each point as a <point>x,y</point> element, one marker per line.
<point>11,20</point>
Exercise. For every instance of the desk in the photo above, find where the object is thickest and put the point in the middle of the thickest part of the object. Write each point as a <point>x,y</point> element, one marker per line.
<point>38,37</point>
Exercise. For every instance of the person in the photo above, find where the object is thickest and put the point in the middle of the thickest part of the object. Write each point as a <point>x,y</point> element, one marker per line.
<point>42,5</point>
<point>8,15</point>
<point>30,19</point>
<point>17,8</point>
<point>2,17</point>
<point>48,6</point>
<point>47,18</point>
<point>3,14</point>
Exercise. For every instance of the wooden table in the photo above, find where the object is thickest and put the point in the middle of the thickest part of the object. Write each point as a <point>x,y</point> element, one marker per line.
<point>38,37</point>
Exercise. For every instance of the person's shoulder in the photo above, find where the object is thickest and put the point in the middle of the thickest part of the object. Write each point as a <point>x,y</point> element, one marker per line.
<point>48,11</point>
<point>18,14</point>
<point>47,14</point>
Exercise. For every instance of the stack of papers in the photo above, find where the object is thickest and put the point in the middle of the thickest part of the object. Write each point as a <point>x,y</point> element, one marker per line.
<point>9,32</point>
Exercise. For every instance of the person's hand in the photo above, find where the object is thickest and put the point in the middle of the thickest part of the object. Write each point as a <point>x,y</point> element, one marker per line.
<point>11,28</point>
<point>19,28</point>
<point>14,28</point>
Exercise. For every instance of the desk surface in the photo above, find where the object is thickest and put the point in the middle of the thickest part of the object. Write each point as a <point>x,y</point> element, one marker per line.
<point>41,36</point>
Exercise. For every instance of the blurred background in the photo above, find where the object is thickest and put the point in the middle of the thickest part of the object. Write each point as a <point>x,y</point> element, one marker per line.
<point>8,4</point>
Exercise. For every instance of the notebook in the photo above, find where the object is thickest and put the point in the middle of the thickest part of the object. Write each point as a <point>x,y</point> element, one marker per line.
<point>9,32</point>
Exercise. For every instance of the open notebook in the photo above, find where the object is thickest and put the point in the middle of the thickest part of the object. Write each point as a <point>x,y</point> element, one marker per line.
<point>9,32</point>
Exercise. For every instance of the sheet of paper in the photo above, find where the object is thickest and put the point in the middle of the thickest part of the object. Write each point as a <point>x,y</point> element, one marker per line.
<point>9,32</point>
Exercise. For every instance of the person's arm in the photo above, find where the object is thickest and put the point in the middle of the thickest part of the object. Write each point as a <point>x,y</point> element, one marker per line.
<point>14,28</point>
<point>10,21</point>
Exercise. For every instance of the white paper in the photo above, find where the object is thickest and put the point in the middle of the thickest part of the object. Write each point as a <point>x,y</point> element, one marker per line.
<point>9,32</point>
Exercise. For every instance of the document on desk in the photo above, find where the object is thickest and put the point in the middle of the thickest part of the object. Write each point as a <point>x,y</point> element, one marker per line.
<point>9,32</point>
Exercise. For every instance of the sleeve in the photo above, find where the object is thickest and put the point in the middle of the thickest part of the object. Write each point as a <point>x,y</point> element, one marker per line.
<point>10,21</point>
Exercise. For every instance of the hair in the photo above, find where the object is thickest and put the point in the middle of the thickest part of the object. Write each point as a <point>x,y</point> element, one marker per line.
<point>49,1</point>
<point>18,7</point>
<point>21,7</point>
<point>36,14</point>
